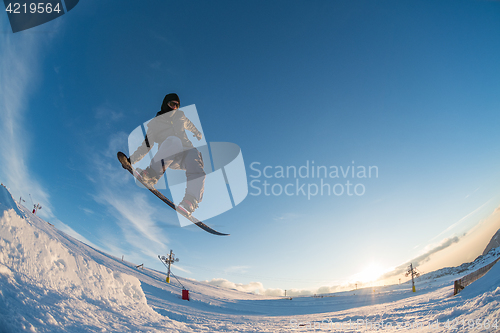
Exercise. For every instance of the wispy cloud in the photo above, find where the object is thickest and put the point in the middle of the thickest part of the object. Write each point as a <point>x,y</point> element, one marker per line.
<point>454,225</point>
<point>287,217</point>
<point>107,114</point>
<point>87,211</point>
<point>69,231</point>
<point>19,69</point>
<point>419,260</point>
<point>468,195</point>
<point>19,73</point>
<point>134,213</point>
<point>182,269</point>
<point>237,269</point>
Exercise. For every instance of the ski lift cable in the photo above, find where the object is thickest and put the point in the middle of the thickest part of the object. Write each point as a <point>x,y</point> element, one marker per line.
<point>171,272</point>
<point>177,279</point>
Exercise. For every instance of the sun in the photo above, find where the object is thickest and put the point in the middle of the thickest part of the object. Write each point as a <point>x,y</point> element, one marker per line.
<point>371,273</point>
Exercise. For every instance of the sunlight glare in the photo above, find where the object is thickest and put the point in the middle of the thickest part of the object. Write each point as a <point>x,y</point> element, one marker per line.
<point>371,273</point>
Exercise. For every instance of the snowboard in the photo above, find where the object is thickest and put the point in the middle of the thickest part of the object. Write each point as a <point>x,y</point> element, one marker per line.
<point>126,165</point>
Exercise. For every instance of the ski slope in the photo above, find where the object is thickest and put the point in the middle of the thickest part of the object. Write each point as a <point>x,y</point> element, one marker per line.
<point>51,282</point>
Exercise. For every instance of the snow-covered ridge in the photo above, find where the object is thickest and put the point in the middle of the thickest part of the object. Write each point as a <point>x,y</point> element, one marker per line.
<point>494,242</point>
<point>46,276</point>
<point>464,269</point>
<point>49,265</point>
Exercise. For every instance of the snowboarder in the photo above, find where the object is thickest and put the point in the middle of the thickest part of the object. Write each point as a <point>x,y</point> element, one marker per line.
<point>175,151</point>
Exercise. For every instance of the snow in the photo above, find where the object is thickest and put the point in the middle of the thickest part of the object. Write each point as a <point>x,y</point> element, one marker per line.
<point>50,282</point>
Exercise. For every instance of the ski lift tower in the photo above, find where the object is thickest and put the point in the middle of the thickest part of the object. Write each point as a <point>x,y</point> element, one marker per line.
<point>413,272</point>
<point>168,261</point>
<point>35,207</point>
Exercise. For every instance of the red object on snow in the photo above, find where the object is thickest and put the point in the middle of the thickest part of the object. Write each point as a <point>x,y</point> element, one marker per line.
<point>185,294</point>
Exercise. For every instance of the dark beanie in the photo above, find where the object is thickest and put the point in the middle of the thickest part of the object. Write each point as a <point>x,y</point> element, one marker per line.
<point>168,98</point>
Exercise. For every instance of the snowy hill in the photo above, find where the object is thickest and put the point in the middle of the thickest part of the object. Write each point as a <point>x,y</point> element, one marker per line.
<point>494,242</point>
<point>50,282</point>
<point>464,269</point>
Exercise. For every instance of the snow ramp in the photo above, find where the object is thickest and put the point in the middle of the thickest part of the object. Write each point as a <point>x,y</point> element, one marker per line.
<point>48,283</point>
<point>6,201</point>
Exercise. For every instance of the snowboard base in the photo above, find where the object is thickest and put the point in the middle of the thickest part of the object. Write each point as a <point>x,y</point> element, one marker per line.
<point>126,165</point>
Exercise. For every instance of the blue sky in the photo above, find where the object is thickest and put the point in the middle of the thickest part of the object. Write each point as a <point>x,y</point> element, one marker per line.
<point>411,88</point>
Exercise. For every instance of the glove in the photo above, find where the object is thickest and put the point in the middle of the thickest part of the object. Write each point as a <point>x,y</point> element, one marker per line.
<point>198,135</point>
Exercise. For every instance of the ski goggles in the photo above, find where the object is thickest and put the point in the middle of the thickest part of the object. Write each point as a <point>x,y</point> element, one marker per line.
<point>173,104</point>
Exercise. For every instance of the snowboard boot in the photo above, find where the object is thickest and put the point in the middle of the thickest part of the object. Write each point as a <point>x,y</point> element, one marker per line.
<point>149,176</point>
<point>188,205</point>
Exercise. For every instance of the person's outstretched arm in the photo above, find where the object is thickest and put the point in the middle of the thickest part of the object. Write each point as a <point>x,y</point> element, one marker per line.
<point>143,149</point>
<point>192,128</point>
